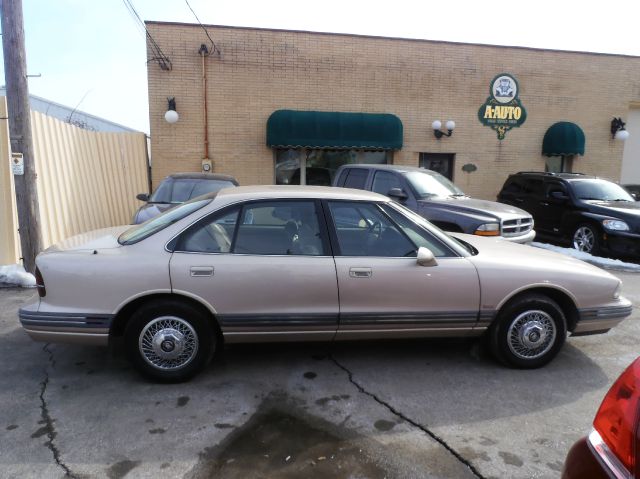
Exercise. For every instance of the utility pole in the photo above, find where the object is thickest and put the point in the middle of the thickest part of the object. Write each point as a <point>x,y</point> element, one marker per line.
<point>15,74</point>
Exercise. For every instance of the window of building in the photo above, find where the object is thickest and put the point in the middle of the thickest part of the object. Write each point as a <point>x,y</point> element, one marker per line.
<point>318,167</point>
<point>440,162</point>
<point>559,164</point>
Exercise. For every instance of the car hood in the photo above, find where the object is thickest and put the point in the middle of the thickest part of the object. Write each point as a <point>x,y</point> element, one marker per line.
<point>150,210</point>
<point>106,238</point>
<point>625,208</point>
<point>464,203</point>
<point>527,258</point>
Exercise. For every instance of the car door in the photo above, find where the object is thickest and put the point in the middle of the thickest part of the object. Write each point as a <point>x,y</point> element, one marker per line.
<point>383,290</point>
<point>264,268</point>
<point>551,208</point>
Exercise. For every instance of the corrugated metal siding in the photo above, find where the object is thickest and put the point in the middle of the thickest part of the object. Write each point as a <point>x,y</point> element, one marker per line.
<point>86,180</point>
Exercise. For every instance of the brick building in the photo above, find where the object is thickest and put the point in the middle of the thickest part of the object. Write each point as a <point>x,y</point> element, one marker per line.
<point>289,106</point>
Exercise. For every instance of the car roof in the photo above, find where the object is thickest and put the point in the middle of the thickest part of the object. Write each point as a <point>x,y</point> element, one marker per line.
<point>202,176</point>
<point>242,193</point>
<point>562,176</point>
<point>398,168</point>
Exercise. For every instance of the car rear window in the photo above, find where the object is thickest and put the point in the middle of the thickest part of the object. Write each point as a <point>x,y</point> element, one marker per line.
<point>144,230</point>
<point>177,191</point>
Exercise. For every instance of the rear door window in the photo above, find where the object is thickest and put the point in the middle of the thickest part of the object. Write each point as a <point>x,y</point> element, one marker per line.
<point>383,181</point>
<point>356,178</point>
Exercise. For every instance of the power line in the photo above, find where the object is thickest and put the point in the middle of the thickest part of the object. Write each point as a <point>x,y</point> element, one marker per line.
<point>214,48</point>
<point>158,54</point>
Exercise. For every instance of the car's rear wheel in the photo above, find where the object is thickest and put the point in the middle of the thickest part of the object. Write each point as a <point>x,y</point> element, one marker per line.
<point>528,332</point>
<point>586,239</point>
<point>169,341</point>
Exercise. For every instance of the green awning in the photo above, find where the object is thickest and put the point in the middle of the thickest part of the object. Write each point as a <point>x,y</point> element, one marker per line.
<point>334,130</point>
<point>563,138</point>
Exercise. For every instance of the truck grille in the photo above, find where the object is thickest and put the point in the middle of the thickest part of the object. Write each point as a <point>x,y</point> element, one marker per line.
<point>517,227</point>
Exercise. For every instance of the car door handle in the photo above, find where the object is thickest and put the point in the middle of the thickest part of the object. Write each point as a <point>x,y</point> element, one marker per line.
<point>518,200</point>
<point>360,272</point>
<point>201,271</point>
<point>544,203</point>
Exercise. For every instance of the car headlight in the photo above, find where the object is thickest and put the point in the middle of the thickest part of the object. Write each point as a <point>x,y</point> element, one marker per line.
<point>615,225</point>
<point>488,229</point>
<point>618,290</point>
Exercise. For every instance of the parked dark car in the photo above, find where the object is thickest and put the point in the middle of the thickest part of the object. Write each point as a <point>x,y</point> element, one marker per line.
<point>176,189</point>
<point>634,190</point>
<point>594,215</point>
<point>611,450</point>
<point>437,199</point>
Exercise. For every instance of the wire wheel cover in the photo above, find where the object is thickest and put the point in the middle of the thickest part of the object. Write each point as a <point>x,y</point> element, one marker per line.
<point>168,343</point>
<point>531,335</point>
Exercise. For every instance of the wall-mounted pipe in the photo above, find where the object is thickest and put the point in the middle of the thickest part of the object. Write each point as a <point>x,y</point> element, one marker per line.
<point>204,52</point>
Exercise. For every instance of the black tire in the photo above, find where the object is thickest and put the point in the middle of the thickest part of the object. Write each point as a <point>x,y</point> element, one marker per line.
<point>169,341</point>
<point>528,332</point>
<point>586,238</point>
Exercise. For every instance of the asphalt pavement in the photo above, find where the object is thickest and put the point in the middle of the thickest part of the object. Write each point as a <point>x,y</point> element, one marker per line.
<point>393,409</point>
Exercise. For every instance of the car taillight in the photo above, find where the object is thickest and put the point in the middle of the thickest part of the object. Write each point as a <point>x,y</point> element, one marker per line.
<point>616,423</point>
<point>42,292</point>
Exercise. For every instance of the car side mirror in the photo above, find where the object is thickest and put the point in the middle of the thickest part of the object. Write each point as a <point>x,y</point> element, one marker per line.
<point>425,257</point>
<point>559,195</point>
<point>397,193</point>
<point>142,196</point>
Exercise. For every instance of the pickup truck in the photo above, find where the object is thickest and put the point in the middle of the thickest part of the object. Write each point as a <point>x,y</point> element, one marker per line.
<point>437,199</point>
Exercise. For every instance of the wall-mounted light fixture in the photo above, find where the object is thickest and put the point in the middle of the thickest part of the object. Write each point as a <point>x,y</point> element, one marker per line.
<point>618,131</point>
<point>171,116</point>
<point>436,125</point>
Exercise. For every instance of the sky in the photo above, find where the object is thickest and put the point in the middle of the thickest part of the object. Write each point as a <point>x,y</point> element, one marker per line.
<point>91,54</point>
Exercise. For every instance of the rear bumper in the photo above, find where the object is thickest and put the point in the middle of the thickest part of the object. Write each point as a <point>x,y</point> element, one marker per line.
<point>77,328</point>
<point>582,463</point>
<point>600,320</point>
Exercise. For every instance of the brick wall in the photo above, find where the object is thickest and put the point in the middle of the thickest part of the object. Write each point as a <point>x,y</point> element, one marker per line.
<point>260,71</point>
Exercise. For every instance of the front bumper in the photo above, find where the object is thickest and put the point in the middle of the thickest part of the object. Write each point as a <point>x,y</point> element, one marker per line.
<point>601,320</point>
<point>522,239</point>
<point>622,243</point>
<point>76,328</point>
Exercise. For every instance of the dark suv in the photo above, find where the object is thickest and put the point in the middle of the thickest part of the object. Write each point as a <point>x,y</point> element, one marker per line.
<point>437,199</point>
<point>593,214</point>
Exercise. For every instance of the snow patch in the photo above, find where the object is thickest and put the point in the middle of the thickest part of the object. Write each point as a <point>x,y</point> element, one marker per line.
<point>606,263</point>
<point>15,275</point>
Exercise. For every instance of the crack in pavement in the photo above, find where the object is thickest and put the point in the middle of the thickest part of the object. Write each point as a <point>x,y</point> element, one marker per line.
<point>394,411</point>
<point>46,417</point>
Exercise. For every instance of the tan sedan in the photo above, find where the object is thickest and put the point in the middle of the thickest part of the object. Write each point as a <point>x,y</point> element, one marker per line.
<point>290,263</point>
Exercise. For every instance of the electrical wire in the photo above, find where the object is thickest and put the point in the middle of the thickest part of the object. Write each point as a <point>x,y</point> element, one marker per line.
<point>214,48</point>
<point>158,54</point>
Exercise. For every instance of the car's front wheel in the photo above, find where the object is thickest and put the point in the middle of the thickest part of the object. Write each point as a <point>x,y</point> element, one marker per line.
<point>586,239</point>
<point>169,341</point>
<point>528,332</point>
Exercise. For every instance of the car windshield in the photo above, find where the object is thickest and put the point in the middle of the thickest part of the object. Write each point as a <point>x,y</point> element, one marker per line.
<point>176,191</point>
<point>169,217</point>
<point>600,190</point>
<point>432,184</point>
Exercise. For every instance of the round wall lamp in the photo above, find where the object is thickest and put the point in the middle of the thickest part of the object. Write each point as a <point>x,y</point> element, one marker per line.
<point>171,116</point>
<point>618,131</point>
<point>437,124</point>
